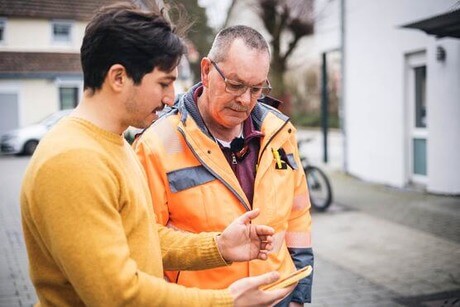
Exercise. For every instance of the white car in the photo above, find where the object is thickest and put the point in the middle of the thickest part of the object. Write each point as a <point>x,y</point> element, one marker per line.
<point>25,140</point>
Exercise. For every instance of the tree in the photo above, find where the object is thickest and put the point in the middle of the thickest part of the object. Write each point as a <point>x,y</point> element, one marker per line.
<point>287,21</point>
<point>199,36</point>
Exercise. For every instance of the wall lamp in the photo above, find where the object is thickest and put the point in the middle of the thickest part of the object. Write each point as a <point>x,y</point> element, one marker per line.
<point>440,54</point>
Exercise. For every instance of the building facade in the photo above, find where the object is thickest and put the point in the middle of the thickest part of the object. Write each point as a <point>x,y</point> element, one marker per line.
<point>40,69</point>
<point>400,87</point>
<point>401,98</point>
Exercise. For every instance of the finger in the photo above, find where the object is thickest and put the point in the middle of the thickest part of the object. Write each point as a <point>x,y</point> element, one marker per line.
<point>275,296</point>
<point>264,279</point>
<point>266,247</point>
<point>262,255</point>
<point>263,230</point>
<point>248,216</point>
<point>266,239</point>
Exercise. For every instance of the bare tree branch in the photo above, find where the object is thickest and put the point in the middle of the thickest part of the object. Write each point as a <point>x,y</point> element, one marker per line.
<point>283,19</point>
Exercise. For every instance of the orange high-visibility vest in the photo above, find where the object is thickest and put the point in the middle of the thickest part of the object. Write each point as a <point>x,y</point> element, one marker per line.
<point>194,189</point>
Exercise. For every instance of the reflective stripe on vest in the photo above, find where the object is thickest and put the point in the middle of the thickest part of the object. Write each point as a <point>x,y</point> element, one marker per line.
<point>189,177</point>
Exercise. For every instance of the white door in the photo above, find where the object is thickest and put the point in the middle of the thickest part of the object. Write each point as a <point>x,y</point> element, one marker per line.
<point>9,112</point>
<point>417,141</point>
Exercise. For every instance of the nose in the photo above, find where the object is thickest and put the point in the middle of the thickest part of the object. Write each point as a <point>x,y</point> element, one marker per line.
<point>168,98</point>
<point>245,98</point>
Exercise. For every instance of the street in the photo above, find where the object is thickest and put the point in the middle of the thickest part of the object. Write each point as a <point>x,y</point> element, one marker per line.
<point>376,246</point>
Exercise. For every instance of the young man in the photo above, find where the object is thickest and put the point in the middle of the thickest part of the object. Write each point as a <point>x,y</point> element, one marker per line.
<point>87,214</point>
<point>219,152</point>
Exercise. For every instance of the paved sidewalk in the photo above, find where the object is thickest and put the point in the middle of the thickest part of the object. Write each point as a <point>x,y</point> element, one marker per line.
<point>379,246</point>
<point>382,246</point>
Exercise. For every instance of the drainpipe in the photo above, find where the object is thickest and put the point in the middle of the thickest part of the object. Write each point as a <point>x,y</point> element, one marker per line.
<point>342,104</point>
<point>324,104</point>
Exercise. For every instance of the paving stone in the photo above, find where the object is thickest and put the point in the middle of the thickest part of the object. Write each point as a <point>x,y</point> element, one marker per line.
<point>330,290</point>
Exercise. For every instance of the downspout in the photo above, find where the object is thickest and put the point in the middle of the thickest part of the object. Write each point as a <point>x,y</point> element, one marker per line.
<point>342,104</point>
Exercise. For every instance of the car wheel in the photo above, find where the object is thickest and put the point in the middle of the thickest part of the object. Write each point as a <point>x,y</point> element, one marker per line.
<point>29,147</point>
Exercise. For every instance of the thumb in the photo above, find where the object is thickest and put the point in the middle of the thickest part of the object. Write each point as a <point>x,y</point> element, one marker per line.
<point>248,216</point>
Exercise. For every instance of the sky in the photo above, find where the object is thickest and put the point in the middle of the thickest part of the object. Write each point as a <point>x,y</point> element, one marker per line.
<point>216,11</point>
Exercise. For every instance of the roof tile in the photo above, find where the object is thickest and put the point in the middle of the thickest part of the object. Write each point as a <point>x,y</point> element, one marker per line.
<point>30,62</point>
<point>81,10</point>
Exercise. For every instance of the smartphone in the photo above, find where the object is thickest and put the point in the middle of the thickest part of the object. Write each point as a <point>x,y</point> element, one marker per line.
<point>286,281</point>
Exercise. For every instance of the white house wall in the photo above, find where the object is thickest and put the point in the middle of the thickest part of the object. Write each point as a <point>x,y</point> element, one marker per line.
<point>443,99</point>
<point>374,97</point>
<point>37,98</point>
<point>35,35</point>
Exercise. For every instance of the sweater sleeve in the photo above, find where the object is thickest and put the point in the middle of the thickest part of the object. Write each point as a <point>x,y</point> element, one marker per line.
<point>185,251</point>
<point>78,220</point>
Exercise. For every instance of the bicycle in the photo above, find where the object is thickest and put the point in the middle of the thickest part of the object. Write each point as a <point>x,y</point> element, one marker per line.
<point>319,185</point>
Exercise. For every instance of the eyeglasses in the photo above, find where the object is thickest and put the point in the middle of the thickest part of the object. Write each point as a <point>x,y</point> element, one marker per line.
<point>238,88</point>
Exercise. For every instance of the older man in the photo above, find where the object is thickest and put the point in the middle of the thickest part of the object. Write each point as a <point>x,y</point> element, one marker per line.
<point>218,152</point>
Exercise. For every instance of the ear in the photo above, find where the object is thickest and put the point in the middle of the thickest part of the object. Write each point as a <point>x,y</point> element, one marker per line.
<point>205,69</point>
<point>116,77</point>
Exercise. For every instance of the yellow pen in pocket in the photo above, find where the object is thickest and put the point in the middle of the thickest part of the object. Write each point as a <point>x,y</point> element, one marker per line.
<point>277,157</point>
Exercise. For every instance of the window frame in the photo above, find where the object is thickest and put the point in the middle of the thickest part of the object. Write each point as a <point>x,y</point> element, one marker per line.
<point>3,23</point>
<point>75,94</point>
<point>62,39</point>
<point>413,61</point>
<point>68,83</point>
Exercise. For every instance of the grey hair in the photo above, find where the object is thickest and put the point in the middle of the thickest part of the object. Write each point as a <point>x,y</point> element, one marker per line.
<point>223,40</point>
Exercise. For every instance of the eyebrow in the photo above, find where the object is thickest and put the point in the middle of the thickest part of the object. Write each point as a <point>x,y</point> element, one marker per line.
<point>260,84</point>
<point>238,79</point>
<point>168,77</point>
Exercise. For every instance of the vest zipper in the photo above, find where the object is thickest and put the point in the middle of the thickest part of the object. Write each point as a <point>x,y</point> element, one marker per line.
<point>213,172</point>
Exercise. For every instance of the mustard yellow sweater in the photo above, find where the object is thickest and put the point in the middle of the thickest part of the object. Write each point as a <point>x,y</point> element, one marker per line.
<point>90,230</point>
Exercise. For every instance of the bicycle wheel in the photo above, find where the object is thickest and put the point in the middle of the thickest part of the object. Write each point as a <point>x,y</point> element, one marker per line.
<point>319,188</point>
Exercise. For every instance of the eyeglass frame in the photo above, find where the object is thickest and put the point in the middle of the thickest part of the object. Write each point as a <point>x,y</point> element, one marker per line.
<point>267,88</point>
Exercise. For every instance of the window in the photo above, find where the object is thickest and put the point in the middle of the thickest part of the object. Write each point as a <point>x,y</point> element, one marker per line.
<point>420,96</point>
<point>419,146</point>
<point>62,31</point>
<point>68,97</point>
<point>417,123</point>
<point>2,29</point>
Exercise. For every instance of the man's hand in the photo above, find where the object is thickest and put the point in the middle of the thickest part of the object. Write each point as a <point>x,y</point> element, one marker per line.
<point>246,291</point>
<point>242,241</point>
